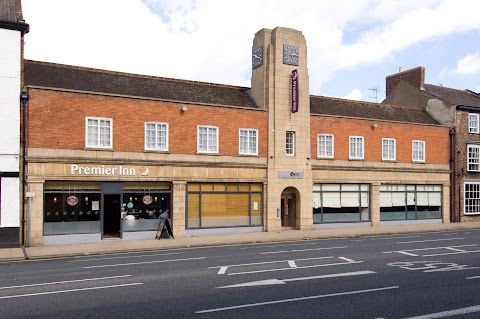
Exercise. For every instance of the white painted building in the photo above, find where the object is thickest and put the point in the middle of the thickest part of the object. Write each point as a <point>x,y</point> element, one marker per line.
<point>12,30</point>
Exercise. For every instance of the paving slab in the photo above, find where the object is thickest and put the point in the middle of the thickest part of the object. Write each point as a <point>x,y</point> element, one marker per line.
<point>118,246</point>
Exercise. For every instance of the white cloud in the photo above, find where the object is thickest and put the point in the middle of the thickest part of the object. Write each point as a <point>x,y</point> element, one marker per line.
<point>210,40</point>
<point>469,64</point>
<point>355,94</point>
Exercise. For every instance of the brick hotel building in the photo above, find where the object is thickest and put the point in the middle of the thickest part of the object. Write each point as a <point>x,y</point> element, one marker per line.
<point>103,145</point>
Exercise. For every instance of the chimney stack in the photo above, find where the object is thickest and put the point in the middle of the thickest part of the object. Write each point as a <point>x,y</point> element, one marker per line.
<point>414,77</point>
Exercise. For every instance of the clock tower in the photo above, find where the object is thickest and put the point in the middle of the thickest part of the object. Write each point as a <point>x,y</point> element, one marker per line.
<point>280,84</point>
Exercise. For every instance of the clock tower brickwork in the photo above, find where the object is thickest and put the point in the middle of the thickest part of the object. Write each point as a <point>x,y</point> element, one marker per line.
<point>289,181</point>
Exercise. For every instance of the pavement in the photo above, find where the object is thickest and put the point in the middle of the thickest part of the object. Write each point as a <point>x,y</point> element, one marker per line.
<point>121,246</point>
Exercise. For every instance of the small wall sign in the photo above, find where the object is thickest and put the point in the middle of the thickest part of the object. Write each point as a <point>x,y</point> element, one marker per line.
<point>290,174</point>
<point>147,199</point>
<point>72,200</point>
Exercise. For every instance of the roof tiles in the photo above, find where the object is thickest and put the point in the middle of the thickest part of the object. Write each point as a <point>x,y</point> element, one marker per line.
<point>100,81</point>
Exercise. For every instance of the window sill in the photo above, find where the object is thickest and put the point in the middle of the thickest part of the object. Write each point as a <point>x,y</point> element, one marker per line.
<point>98,149</point>
<point>157,151</point>
<point>419,162</point>
<point>205,153</point>
<point>356,159</point>
<point>248,155</point>
<point>389,160</point>
<point>325,158</point>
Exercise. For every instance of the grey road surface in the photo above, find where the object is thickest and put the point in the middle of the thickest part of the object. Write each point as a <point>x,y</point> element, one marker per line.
<point>421,276</point>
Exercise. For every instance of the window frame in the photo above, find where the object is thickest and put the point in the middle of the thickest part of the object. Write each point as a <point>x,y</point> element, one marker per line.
<point>410,202</point>
<point>248,131</point>
<point>217,134</point>
<point>319,150</point>
<point>389,156</point>
<point>477,212</point>
<point>290,150</point>
<point>98,120</point>
<point>323,192</point>
<point>418,160</point>
<point>356,157</point>
<point>473,129</point>
<point>469,158</point>
<point>157,137</point>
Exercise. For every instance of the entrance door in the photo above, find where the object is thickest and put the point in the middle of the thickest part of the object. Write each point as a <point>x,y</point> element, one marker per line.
<point>288,215</point>
<point>111,216</point>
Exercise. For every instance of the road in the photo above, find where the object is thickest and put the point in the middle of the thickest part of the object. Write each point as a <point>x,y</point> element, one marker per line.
<point>414,276</point>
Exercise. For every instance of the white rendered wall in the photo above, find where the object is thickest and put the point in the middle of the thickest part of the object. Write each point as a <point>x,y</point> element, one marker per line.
<point>10,57</point>
<point>10,202</point>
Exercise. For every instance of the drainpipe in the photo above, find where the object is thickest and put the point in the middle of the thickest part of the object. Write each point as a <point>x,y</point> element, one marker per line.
<point>24,101</point>
<point>453,180</point>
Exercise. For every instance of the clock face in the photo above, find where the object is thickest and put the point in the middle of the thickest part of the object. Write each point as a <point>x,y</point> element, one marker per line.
<point>257,57</point>
<point>290,54</point>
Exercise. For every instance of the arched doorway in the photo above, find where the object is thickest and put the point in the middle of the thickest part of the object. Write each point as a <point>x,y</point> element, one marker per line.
<point>288,208</point>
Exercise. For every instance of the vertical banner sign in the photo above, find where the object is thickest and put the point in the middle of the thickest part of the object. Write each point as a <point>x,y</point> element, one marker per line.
<point>295,91</point>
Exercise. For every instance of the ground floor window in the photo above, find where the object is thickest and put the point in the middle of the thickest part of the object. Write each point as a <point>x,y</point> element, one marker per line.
<point>71,208</point>
<point>333,203</point>
<point>472,198</point>
<point>224,204</point>
<point>82,208</point>
<point>401,202</point>
<point>143,203</point>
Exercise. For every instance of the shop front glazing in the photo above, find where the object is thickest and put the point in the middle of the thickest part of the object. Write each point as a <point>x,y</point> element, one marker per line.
<point>224,205</point>
<point>82,208</point>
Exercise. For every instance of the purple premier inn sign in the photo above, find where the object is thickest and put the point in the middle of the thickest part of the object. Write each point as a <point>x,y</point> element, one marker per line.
<point>295,91</point>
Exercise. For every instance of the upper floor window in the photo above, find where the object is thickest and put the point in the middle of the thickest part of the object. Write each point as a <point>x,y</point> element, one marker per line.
<point>98,132</point>
<point>290,143</point>
<point>418,151</point>
<point>156,136</point>
<point>325,145</point>
<point>248,141</point>
<point>388,149</point>
<point>356,147</point>
<point>473,158</point>
<point>472,123</point>
<point>207,139</point>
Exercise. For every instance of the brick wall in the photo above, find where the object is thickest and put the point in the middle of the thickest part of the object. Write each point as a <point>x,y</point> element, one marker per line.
<point>57,120</point>
<point>460,171</point>
<point>436,138</point>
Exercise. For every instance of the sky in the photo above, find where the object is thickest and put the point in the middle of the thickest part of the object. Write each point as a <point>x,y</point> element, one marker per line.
<point>352,44</point>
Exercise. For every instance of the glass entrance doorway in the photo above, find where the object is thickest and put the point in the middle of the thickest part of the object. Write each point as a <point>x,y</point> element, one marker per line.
<point>288,211</point>
<point>111,216</point>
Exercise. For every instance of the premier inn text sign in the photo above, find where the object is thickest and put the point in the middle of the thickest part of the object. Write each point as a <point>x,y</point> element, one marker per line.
<point>295,91</point>
<point>107,171</point>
